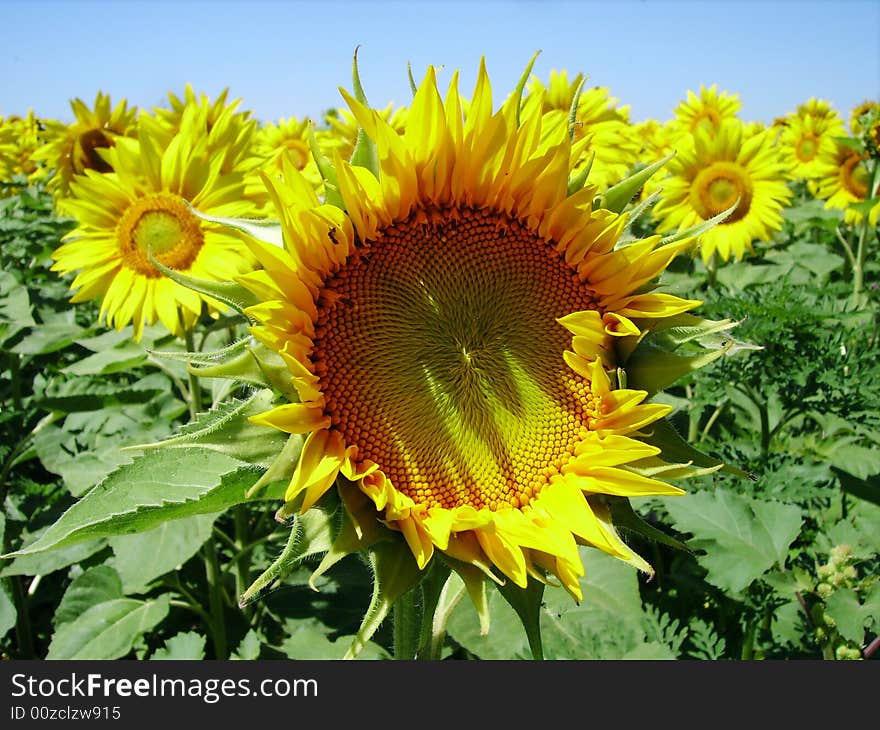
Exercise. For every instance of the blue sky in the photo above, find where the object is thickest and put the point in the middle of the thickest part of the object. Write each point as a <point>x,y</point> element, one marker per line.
<point>286,58</point>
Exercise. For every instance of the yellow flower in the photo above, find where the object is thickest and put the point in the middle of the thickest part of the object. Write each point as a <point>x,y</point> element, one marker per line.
<point>712,172</point>
<point>19,140</point>
<point>72,149</point>
<point>707,110</point>
<point>287,137</point>
<point>143,206</point>
<point>843,180</point>
<point>855,123</point>
<point>807,138</point>
<point>608,138</point>
<point>229,133</point>
<point>450,328</point>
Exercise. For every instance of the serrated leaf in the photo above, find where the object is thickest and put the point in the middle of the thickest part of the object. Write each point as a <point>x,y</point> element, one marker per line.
<point>249,648</point>
<point>48,563</point>
<point>850,616</point>
<point>94,586</point>
<point>159,486</point>
<point>309,638</point>
<point>144,556</point>
<point>107,630</point>
<point>742,537</point>
<point>120,358</point>
<point>183,646</point>
<point>8,612</point>
<point>226,429</point>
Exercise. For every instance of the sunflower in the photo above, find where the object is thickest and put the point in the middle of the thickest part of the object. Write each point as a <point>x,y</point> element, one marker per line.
<point>611,146</point>
<point>7,151</point>
<point>450,326</point>
<point>803,144</point>
<point>19,141</point>
<point>710,174</point>
<point>860,110</point>
<point>843,180</point>
<point>707,110</point>
<point>229,133</point>
<point>72,149</point>
<point>287,137</point>
<point>144,206</point>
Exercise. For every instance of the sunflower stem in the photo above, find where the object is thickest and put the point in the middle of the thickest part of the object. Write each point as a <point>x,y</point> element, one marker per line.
<point>215,598</point>
<point>195,391</point>
<point>407,624</point>
<point>712,272</point>
<point>242,564</point>
<point>450,595</point>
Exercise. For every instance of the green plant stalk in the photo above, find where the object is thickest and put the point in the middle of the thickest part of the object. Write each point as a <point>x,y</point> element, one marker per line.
<point>858,298</point>
<point>407,624</point>
<point>693,415</point>
<point>242,565</point>
<point>195,391</point>
<point>215,599</point>
<point>23,632</point>
<point>448,600</point>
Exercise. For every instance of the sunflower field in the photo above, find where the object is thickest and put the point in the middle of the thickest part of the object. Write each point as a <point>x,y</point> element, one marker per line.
<point>501,374</point>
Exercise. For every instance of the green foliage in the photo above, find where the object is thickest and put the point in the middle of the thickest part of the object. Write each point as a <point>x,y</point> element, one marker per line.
<point>132,530</point>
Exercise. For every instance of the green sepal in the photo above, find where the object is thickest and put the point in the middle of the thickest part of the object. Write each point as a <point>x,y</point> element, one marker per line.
<point>203,358</point>
<point>414,87</point>
<point>626,518</point>
<point>639,210</point>
<point>282,467</point>
<point>701,228</point>
<point>475,583</point>
<point>573,109</point>
<point>527,604</point>
<point>579,179</point>
<point>395,572</point>
<point>328,173</point>
<point>617,197</point>
<point>675,449</point>
<point>230,293</point>
<point>364,153</point>
<point>654,467</point>
<point>267,231</point>
<point>257,365</point>
<point>517,95</point>
<point>652,368</point>
<point>311,534</point>
<point>359,528</point>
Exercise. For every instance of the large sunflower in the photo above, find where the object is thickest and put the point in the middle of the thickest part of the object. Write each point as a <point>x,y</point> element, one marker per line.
<point>710,173</point>
<point>843,180</point>
<point>806,140</point>
<point>450,327</point>
<point>144,206</point>
<point>72,149</point>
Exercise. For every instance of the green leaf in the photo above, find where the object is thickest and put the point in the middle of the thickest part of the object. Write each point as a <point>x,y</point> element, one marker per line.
<point>862,462</point>
<point>227,430</point>
<point>48,563</point>
<point>8,612</point>
<point>58,332</point>
<point>742,537</point>
<point>122,357</point>
<point>159,486</point>
<point>249,648</point>
<point>183,646</point>
<point>15,306</point>
<point>144,556</point>
<point>96,585</point>
<point>107,630</point>
<point>850,616</point>
<point>609,623</point>
<point>309,638</point>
